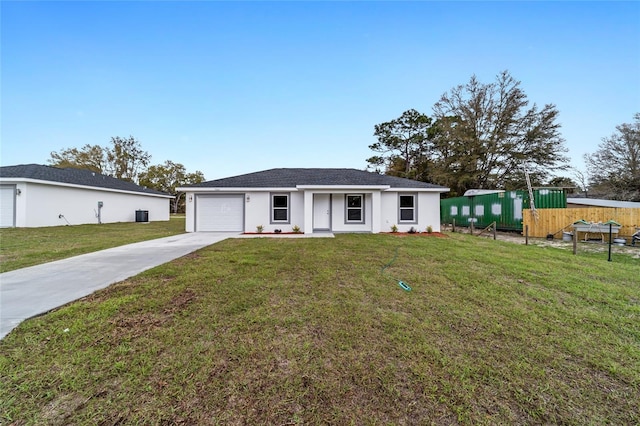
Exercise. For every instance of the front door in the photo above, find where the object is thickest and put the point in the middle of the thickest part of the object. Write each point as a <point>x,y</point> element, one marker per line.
<point>321,212</point>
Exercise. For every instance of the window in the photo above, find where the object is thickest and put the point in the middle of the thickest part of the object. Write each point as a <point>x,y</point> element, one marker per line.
<point>407,208</point>
<point>280,208</point>
<point>355,208</point>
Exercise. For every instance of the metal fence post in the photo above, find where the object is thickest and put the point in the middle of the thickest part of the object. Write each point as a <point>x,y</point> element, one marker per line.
<point>610,240</point>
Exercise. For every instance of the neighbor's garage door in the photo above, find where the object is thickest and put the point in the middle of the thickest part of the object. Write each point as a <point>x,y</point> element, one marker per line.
<point>7,206</point>
<point>220,213</point>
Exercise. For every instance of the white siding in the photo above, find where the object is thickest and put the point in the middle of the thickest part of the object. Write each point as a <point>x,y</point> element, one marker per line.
<point>428,211</point>
<point>390,212</point>
<point>338,210</point>
<point>258,211</point>
<point>380,211</point>
<point>190,212</point>
<point>41,205</point>
<point>297,211</point>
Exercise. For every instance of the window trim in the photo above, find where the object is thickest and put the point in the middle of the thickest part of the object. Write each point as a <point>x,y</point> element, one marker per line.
<point>347,208</point>
<point>414,208</point>
<point>272,208</point>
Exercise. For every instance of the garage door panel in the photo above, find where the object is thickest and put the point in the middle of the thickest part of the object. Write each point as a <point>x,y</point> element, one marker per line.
<point>7,206</point>
<point>220,213</point>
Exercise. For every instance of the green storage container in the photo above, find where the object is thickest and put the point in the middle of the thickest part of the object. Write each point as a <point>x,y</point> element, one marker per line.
<point>455,209</point>
<point>504,208</point>
<point>549,198</point>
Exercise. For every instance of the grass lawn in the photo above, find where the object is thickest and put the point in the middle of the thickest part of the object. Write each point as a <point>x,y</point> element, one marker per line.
<point>22,247</point>
<point>312,331</point>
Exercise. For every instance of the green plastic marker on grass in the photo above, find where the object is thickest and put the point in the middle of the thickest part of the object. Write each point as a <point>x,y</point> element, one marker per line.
<point>404,286</point>
<point>401,283</point>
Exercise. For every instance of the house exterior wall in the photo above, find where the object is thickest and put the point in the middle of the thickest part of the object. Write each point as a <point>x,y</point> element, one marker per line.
<point>338,211</point>
<point>381,209</point>
<point>190,212</point>
<point>258,211</point>
<point>40,205</point>
<point>389,214</point>
<point>428,211</point>
<point>297,211</point>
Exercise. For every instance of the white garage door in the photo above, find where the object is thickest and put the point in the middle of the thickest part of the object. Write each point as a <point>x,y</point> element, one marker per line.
<point>220,213</point>
<point>7,206</point>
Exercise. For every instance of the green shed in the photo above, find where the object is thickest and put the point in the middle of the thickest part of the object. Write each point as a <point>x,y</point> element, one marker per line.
<point>483,207</point>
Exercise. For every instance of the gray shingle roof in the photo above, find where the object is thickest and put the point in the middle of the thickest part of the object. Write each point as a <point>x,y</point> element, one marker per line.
<point>290,178</point>
<point>74,177</point>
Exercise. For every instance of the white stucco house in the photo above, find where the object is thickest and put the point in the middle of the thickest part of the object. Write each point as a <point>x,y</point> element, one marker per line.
<point>34,195</point>
<point>314,200</point>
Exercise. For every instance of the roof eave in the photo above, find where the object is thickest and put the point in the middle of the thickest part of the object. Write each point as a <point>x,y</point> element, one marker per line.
<point>233,189</point>
<point>341,188</point>
<point>405,189</point>
<point>344,187</point>
<point>71,185</point>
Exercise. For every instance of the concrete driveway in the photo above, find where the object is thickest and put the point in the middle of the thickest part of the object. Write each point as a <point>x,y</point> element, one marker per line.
<point>32,291</point>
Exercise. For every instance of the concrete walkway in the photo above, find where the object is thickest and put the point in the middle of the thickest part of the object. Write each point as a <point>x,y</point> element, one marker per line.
<point>32,291</point>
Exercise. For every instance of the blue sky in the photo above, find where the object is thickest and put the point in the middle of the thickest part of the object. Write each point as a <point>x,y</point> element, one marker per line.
<point>234,87</point>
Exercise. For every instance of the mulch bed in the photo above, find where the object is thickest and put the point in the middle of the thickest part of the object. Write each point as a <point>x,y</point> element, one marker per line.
<point>272,233</point>
<point>417,234</point>
<point>397,234</point>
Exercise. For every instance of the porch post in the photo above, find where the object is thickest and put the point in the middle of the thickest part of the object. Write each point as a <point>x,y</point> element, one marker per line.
<point>308,212</point>
<point>376,211</point>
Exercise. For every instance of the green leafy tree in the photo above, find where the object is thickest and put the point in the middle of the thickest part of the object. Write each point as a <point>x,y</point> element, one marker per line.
<point>486,132</point>
<point>402,146</point>
<point>124,159</point>
<point>167,177</point>
<point>563,182</point>
<point>452,164</point>
<point>89,157</point>
<point>614,169</point>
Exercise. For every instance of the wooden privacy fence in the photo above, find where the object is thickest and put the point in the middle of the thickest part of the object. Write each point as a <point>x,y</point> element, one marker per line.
<point>552,221</point>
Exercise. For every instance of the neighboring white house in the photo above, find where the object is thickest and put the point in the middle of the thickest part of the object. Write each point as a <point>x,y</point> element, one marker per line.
<point>315,200</point>
<point>33,196</point>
